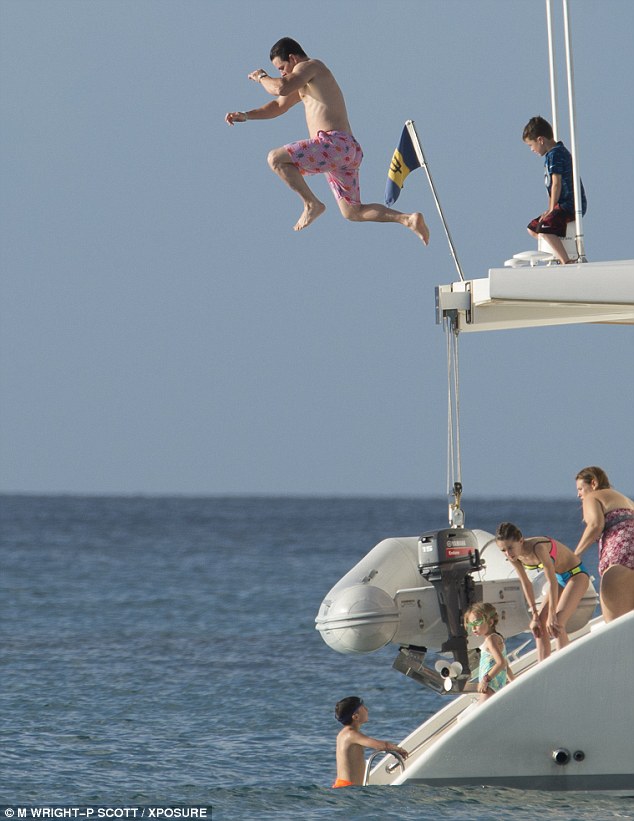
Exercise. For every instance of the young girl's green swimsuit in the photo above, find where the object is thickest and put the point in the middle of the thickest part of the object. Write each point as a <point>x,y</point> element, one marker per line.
<point>487,662</point>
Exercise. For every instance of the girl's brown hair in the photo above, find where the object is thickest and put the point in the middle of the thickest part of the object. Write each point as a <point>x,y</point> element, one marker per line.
<point>507,530</point>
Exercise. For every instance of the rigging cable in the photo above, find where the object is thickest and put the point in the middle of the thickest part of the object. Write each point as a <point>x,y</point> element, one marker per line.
<point>454,462</point>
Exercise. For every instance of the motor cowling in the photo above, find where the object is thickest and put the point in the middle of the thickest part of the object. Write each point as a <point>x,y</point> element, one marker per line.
<point>446,558</point>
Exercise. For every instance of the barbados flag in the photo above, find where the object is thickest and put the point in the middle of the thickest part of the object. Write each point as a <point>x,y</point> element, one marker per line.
<point>404,160</point>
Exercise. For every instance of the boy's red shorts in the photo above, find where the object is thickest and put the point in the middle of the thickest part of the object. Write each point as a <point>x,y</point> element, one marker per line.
<point>554,222</point>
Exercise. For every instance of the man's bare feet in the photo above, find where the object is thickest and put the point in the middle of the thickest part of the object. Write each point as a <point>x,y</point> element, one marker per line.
<point>418,225</point>
<point>310,214</point>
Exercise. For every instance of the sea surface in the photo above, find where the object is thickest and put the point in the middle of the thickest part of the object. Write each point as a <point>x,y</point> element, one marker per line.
<point>162,652</point>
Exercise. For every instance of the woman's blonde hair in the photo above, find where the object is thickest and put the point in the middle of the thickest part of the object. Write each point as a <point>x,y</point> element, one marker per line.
<point>483,610</point>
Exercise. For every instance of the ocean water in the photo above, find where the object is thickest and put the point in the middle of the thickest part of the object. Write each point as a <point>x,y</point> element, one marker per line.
<point>162,652</point>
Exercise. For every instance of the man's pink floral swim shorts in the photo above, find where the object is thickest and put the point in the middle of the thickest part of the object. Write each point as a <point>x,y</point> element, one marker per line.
<point>333,153</point>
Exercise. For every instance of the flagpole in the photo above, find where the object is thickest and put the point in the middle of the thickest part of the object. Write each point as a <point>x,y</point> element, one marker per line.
<point>411,128</point>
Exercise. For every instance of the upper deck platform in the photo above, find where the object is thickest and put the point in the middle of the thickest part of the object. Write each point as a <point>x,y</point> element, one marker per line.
<point>526,297</point>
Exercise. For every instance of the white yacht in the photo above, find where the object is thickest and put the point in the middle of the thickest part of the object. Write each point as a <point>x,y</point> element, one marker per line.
<point>413,592</point>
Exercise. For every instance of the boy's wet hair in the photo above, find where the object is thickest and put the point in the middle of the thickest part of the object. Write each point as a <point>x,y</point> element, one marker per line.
<point>537,127</point>
<point>346,708</point>
<point>285,47</point>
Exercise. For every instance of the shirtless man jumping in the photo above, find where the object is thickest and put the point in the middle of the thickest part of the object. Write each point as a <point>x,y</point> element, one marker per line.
<point>331,149</point>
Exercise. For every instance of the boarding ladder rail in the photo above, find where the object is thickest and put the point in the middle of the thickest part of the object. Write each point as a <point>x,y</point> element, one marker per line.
<point>368,766</point>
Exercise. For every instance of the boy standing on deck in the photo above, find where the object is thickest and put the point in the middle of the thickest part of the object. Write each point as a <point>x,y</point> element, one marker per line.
<point>538,135</point>
<point>352,713</point>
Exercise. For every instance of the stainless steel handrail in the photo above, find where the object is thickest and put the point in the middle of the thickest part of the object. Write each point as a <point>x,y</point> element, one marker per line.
<point>397,756</point>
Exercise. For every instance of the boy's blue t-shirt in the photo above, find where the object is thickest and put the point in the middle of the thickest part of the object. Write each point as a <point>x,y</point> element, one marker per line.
<point>559,161</point>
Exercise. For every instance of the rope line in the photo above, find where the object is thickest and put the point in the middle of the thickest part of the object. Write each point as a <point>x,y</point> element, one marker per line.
<point>454,461</point>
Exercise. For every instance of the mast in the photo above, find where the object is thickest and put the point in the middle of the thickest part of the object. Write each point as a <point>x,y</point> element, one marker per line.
<point>552,70</point>
<point>573,138</point>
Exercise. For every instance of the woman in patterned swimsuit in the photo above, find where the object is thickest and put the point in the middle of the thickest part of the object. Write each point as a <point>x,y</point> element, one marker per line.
<point>609,519</point>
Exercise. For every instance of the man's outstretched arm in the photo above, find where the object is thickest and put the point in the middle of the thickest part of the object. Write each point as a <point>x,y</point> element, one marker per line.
<point>266,112</point>
<point>291,83</point>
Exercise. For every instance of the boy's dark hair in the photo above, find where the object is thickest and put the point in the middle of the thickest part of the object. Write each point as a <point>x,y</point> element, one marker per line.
<point>507,530</point>
<point>346,708</point>
<point>537,127</point>
<point>285,47</point>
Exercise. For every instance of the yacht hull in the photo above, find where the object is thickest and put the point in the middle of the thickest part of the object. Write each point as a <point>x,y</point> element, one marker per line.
<point>563,724</point>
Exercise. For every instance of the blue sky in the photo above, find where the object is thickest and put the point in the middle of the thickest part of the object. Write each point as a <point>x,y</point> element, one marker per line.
<point>163,330</point>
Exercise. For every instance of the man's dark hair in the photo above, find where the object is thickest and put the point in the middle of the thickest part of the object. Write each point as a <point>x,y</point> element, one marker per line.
<point>537,127</point>
<point>285,47</point>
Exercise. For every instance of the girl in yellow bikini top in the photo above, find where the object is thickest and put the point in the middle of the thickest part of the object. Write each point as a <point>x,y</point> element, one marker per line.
<point>562,578</point>
<point>509,532</point>
<point>552,553</point>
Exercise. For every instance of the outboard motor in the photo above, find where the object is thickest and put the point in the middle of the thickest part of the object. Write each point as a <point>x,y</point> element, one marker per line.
<point>446,559</point>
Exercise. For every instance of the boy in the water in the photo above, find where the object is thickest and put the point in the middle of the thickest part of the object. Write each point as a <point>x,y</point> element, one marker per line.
<point>352,713</point>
